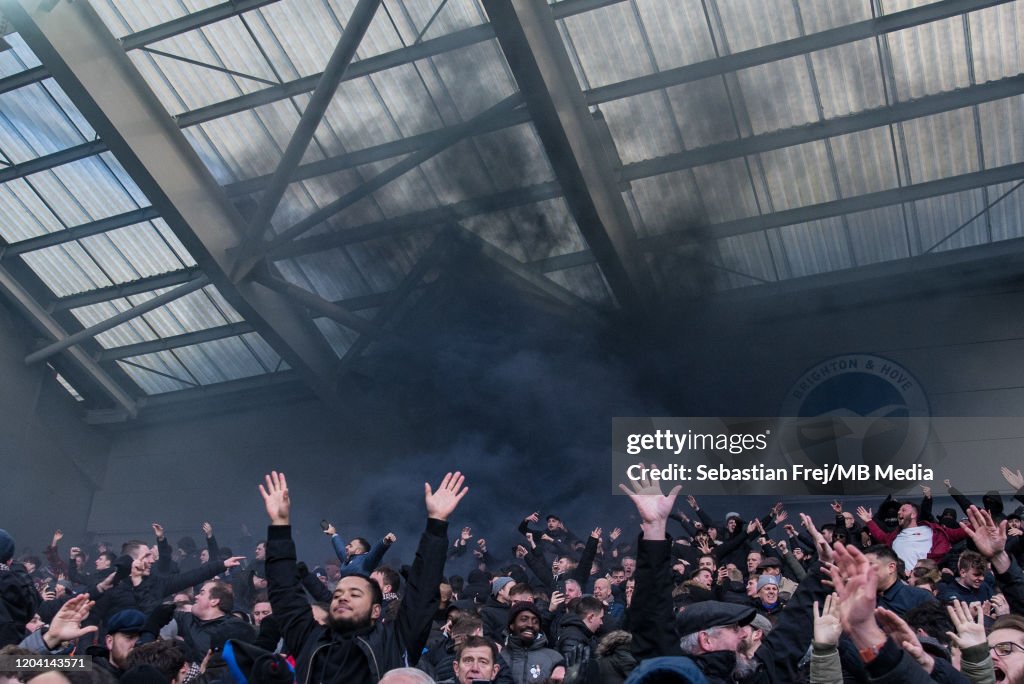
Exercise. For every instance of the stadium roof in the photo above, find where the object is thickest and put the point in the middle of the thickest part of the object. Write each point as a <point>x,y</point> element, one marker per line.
<point>204,198</point>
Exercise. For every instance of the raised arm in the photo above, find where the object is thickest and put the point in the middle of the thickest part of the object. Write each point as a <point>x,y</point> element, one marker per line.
<point>422,590</point>
<point>650,613</point>
<point>289,604</point>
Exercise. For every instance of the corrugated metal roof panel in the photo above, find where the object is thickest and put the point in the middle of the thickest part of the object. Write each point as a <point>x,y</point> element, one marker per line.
<point>1007,214</point>
<point>815,247</point>
<point>642,127</point>
<point>33,124</point>
<point>820,16</point>
<point>849,78</point>
<point>878,235</point>
<point>339,337</point>
<point>608,55</point>
<point>476,77</point>
<point>220,360</point>
<point>676,31</point>
<point>752,23</point>
<point>929,59</point>
<point>171,239</point>
<point>1002,131</point>
<point>943,221</point>
<point>170,375</point>
<point>747,259</point>
<point>66,269</point>
<point>531,232</point>
<point>454,15</point>
<point>799,175</point>
<point>997,41</point>
<point>777,95</point>
<point>132,253</point>
<point>18,59</point>
<point>331,274</point>
<point>189,313</point>
<point>385,261</point>
<point>85,190</point>
<point>25,215</point>
<point>130,332</point>
<point>942,145</point>
<point>703,112</point>
<point>586,282</point>
<point>864,162</point>
<point>263,351</point>
<point>726,191</point>
<point>668,202</point>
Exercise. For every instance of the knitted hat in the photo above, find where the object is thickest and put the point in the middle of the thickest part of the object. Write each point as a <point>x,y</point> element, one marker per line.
<point>6,546</point>
<point>499,583</point>
<point>521,607</point>
<point>765,580</point>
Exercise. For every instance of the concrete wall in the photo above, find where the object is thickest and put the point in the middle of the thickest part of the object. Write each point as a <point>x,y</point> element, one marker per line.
<point>52,461</point>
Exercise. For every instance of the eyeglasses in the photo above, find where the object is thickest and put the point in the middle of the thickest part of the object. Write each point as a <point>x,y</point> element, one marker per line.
<point>1005,648</point>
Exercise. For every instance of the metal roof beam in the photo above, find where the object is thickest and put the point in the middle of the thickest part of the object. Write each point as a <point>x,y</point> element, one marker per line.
<point>23,78</point>
<point>850,205</point>
<point>53,160</point>
<point>441,142</point>
<point>430,218</point>
<point>45,323</point>
<point>376,153</point>
<point>219,332</point>
<point>91,67</point>
<point>312,115</point>
<point>316,303</point>
<point>813,212</point>
<point>117,319</point>
<point>371,65</point>
<point>579,155</point>
<point>83,230</point>
<point>134,287</point>
<point>869,28</point>
<point>191,22</point>
<point>829,128</point>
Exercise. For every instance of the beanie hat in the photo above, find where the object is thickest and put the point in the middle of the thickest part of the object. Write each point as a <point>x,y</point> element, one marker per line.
<point>522,607</point>
<point>6,546</point>
<point>765,580</point>
<point>499,583</point>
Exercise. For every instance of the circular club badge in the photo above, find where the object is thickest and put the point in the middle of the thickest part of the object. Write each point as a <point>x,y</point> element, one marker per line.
<point>855,409</point>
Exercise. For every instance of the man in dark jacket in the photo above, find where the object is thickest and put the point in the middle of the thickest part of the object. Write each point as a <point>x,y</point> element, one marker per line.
<point>651,609</point>
<point>526,653</point>
<point>355,647</point>
<point>210,621</point>
<point>19,599</point>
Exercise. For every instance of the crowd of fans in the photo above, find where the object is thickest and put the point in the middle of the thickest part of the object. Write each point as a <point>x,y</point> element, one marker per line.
<point>893,595</point>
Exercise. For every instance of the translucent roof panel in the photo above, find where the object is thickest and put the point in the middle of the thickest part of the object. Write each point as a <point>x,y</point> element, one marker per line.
<point>815,247</point>
<point>531,232</point>
<point>37,120</point>
<point>586,282</point>
<point>338,336</point>
<point>879,235</point>
<point>24,211</point>
<point>193,312</point>
<point>18,59</point>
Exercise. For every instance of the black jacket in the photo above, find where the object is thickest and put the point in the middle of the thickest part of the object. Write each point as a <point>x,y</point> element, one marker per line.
<point>652,620</point>
<point>19,601</point>
<point>324,655</point>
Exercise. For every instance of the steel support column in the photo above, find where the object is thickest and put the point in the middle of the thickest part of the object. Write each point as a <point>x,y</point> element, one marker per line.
<point>577,151</point>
